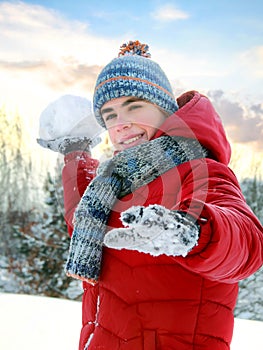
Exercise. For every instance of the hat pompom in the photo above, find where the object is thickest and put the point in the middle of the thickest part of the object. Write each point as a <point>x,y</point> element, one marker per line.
<point>134,48</point>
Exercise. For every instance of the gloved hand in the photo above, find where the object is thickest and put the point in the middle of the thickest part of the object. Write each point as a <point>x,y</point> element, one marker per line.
<point>155,230</point>
<point>67,144</point>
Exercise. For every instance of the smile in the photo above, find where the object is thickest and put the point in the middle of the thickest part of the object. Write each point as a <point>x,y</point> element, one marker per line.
<point>127,142</point>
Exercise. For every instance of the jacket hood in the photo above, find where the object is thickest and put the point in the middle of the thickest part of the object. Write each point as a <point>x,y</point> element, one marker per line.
<point>197,118</point>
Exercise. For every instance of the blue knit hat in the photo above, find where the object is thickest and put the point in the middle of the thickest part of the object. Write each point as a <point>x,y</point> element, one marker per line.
<point>133,73</point>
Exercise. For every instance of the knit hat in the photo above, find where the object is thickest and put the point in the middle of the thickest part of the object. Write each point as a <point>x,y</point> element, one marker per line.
<point>133,73</point>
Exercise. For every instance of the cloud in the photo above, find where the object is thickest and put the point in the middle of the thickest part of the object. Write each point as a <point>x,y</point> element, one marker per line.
<point>244,124</point>
<point>169,13</point>
<point>68,73</point>
<point>252,61</point>
<point>30,32</point>
<point>44,54</point>
<point>20,65</point>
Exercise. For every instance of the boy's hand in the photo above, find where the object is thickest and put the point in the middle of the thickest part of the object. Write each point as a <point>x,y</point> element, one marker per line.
<point>154,230</point>
<point>67,144</point>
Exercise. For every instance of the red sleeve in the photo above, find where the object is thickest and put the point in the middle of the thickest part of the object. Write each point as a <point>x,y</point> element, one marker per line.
<point>231,239</point>
<point>78,171</point>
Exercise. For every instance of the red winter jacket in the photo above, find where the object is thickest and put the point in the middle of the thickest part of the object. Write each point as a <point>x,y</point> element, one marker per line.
<point>146,302</point>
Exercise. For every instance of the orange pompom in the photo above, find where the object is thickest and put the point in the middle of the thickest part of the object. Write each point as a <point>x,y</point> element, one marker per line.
<point>134,48</point>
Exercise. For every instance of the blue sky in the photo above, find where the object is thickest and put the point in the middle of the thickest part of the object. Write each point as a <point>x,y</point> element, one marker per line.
<point>50,48</point>
<point>226,24</point>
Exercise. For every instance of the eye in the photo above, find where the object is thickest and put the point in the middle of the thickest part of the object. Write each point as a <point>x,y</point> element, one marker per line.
<point>134,106</point>
<point>110,116</point>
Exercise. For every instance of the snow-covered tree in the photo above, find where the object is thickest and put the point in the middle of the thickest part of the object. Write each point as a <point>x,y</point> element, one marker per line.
<point>15,165</point>
<point>33,235</point>
<point>15,191</point>
<point>37,261</point>
<point>250,300</point>
<point>253,192</point>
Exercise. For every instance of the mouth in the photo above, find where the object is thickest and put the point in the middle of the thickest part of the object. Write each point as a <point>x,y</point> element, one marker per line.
<point>131,140</point>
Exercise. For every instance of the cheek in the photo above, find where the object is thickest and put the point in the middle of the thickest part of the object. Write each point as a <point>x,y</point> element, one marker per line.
<point>152,125</point>
<point>112,135</point>
<point>150,132</point>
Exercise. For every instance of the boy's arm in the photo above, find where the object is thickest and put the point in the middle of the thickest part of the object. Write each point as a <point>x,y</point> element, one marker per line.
<point>78,171</point>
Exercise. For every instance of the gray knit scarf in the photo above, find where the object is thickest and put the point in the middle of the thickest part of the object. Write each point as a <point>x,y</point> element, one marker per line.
<point>123,174</point>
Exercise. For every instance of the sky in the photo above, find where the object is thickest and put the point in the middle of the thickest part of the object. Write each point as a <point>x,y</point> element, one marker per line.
<point>52,48</point>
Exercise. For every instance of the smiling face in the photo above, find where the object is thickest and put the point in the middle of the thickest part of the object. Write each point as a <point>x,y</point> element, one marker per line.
<point>131,121</point>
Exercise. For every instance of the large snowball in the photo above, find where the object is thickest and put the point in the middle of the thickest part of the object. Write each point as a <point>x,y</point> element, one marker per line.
<point>68,116</point>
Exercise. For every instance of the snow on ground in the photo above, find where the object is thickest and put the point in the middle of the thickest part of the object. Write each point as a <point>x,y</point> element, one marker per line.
<point>33,322</point>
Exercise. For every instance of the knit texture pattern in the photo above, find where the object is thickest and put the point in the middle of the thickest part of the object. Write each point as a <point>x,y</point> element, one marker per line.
<point>137,76</point>
<point>117,177</point>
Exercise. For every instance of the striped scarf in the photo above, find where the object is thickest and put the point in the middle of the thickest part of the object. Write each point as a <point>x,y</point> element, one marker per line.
<point>117,177</point>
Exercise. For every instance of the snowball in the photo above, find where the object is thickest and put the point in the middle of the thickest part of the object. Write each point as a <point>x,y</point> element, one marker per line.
<point>68,116</point>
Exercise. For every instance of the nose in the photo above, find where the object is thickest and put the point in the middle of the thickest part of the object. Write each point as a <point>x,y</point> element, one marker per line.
<point>122,123</point>
<point>123,126</point>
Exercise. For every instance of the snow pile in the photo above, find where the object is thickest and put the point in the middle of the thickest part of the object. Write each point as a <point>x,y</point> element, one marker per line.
<point>32,322</point>
<point>68,116</point>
